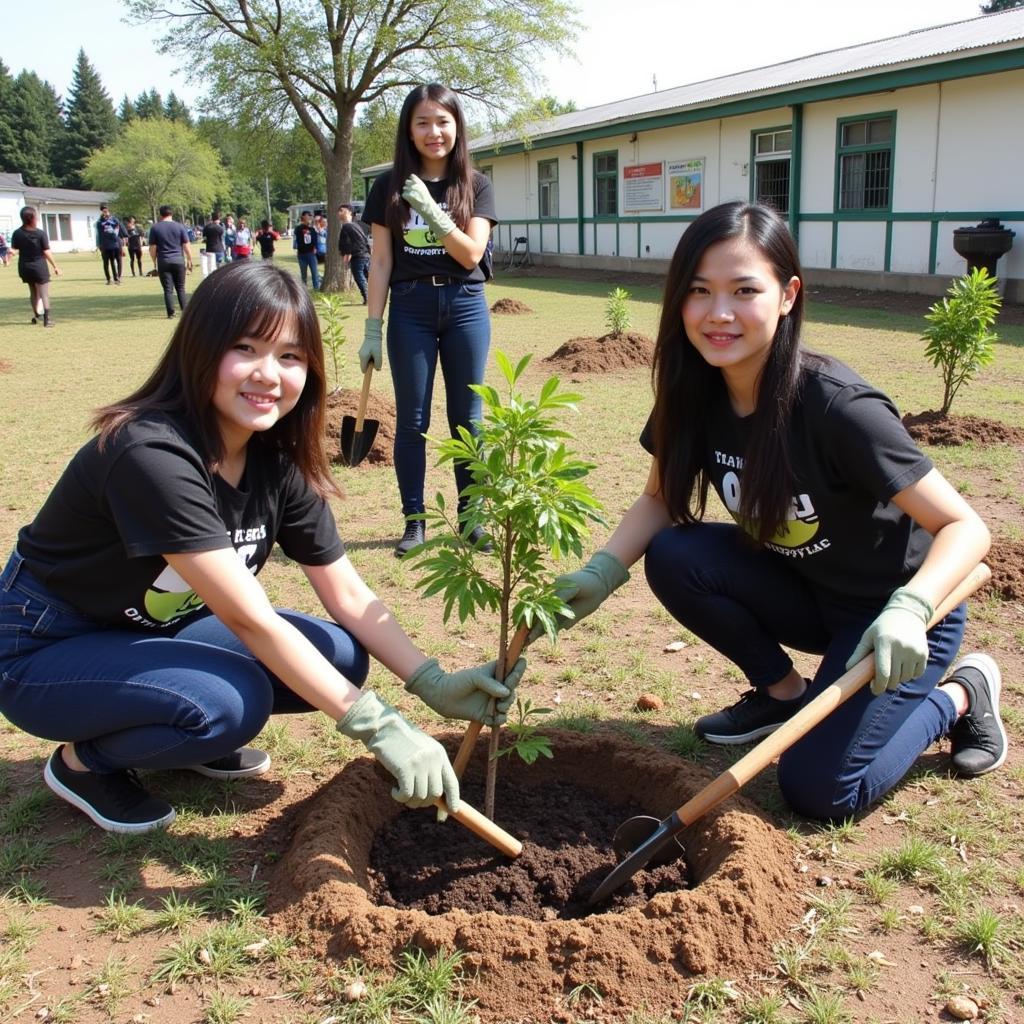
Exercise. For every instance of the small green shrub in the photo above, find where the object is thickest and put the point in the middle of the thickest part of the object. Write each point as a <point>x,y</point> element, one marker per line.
<point>616,312</point>
<point>332,311</point>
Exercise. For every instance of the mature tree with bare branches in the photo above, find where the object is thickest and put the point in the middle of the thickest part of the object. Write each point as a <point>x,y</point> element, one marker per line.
<point>269,61</point>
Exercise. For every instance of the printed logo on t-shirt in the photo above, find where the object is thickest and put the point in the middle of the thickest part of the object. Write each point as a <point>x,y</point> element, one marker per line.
<point>419,239</point>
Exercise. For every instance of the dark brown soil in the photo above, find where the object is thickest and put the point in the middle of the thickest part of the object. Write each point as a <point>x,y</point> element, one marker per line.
<point>601,355</point>
<point>933,428</point>
<point>346,403</point>
<point>1006,558</point>
<point>744,893</point>
<point>513,306</point>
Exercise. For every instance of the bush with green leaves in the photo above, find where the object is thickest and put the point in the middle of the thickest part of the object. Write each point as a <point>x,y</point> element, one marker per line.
<point>616,312</point>
<point>959,335</point>
<point>528,498</point>
<point>332,310</point>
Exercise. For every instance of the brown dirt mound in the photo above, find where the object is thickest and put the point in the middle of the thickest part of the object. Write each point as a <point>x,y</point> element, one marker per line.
<point>346,403</point>
<point>1007,561</point>
<point>6,366</point>
<point>601,355</point>
<point>744,894</point>
<point>932,427</point>
<point>510,306</point>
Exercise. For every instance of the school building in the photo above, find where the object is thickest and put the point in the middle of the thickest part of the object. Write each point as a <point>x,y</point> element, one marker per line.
<point>67,215</point>
<point>874,153</point>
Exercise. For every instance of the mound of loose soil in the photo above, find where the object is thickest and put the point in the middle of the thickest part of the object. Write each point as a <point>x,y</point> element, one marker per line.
<point>932,427</point>
<point>601,355</point>
<point>510,306</point>
<point>346,403</point>
<point>1006,558</point>
<point>743,891</point>
<point>6,366</point>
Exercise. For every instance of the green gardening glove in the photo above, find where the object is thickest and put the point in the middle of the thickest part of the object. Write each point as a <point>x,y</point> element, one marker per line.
<point>466,694</point>
<point>586,589</point>
<point>371,349</point>
<point>418,196</point>
<point>419,763</point>
<point>899,638</point>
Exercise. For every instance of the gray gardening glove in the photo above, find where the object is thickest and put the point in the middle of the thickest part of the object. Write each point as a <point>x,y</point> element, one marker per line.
<point>419,763</point>
<point>586,589</point>
<point>466,694</point>
<point>899,638</point>
<point>418,196</point>
<point>372,347</point>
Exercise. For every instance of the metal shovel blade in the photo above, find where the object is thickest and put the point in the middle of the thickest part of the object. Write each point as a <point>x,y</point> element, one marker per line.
<point>664,836</point>
<point>356,444</point>
<point>634,832</point>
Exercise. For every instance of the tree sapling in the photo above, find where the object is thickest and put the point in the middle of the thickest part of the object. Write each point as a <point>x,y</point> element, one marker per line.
<point>616,311</point>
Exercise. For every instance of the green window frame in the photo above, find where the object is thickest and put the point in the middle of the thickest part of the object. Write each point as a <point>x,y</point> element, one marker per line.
<point>865,150</point>
<point>606,183</point>
<point>771,157</point>
<point>547,189</point>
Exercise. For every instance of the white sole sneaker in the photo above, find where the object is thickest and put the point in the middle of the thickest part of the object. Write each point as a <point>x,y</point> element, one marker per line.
<point>990,670</point>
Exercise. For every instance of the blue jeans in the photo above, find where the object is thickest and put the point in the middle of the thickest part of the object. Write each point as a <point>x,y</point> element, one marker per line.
<point>426,323</point>
<point>131,699</point>
<point>746,603</point>
<point>360,267</point>
<point>307,260</point>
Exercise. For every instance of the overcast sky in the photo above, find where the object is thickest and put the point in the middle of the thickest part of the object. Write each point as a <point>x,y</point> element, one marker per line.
<point>624,47</point>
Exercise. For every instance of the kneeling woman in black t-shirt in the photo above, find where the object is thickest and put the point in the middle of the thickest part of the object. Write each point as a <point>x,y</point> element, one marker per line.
<point>844,535</point>
<point>132,625</point>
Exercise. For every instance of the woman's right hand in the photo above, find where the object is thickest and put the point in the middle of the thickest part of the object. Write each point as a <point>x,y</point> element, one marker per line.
<point>372,347</point>
<point>585,590</point>
<point>419,763</point>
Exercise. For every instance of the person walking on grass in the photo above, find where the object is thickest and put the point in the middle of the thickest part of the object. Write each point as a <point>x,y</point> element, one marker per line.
<point>304,244</point>
<point>34,263</point>
<point>229,238</point>
<point>171,253</point>
<point>243,240</point>
<point>354,247</point>
<point>431,217</point>
<point>266,237</point>
<point>845,536</point>
<point>135,235</point>
<point>133,627</point>
<point>110,240</point>
<point>213,238</point>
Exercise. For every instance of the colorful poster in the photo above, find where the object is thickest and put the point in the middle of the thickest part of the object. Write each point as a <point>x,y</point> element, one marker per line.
<point>686,184</point>
<point>643,187</point>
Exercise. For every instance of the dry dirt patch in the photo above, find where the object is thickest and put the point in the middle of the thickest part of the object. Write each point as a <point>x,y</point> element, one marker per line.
<point>605,354</point>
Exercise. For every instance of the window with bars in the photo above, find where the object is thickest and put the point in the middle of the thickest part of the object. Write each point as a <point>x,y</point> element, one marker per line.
<point>772,159</point>
<point>865,162</point>
<point>547,189</point>
<point>606,184</point>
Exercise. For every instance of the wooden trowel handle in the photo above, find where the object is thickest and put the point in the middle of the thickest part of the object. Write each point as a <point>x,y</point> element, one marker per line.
<point>364,398</point>
<point>515,648</point>
<point>809,716</point>
<point>482,826</point>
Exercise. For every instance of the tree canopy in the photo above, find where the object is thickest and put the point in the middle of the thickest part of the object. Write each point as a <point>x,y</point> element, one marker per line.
<point>91,122</point>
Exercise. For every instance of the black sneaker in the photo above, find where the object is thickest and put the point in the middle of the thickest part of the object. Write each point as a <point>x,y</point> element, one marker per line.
<point>754,715</point>
<point>415,534</point>
<point>240,764</point>
<point>479,540</point>
<point>978,739</point>
<point>116,802</point>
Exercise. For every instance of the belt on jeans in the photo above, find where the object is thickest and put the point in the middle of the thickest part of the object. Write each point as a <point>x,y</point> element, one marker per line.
<point>440,280</point>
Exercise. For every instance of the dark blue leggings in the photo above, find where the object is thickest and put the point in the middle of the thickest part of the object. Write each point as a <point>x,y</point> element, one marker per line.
<point>746,603</point>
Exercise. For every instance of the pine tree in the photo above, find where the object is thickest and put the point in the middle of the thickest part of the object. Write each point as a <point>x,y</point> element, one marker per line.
<point>176,110</point>
<point>38,128</point>
<point>126,112</point>
<point>10,155</point>
<point>91,122</point>
<point>994,6</point>
<point>149,105</point>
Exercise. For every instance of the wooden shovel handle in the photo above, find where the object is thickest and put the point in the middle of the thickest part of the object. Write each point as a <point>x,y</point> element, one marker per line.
<point>484,828</point>
<point>809,716</point>
<point>364,398</point>
<point>515,648</point>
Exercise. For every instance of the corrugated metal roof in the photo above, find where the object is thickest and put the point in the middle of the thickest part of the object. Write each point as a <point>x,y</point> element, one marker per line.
<point>989,32</point>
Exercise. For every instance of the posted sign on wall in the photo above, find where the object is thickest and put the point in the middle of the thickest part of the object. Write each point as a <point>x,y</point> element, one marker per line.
<point>686,184</point>
<point>643,187</point>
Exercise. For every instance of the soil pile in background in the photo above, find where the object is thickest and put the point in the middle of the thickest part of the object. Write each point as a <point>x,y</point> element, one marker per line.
<point>933,428</point>
<point>510,306</point>
<point>744,895</point>
<point>601,355</point>
<point>6,366</point>
<point>346,403</point>
<point>1006,559</point>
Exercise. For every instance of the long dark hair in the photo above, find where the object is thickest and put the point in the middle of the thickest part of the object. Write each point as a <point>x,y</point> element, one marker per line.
<point>248,298</point>
<point>687,388</point>
<point>407,160</point>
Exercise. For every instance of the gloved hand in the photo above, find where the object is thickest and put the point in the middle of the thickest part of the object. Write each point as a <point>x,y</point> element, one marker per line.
<point>586,589</point>
<point>419,763</point>
<point>372,347</point>
<point>899,639</point>
<point>418,196</point>
<point>467,693</point>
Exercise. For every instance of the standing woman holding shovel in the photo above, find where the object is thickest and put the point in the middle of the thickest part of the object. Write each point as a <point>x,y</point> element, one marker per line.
<point>845,535</point>
<point>431,218</point>
<point>133,629</point>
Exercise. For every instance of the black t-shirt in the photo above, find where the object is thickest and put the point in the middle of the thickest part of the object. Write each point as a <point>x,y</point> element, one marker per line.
<point>266,240</point>
<point>109,233</point>
<point>213,236</point>
<point>99,538</point>
<point>31,243</point>
<point>134,238</point>
<point>850,454</point>
<point>305,238</point>
<point>353,241</point>
<point>418,254</point>
<point>168,236</point>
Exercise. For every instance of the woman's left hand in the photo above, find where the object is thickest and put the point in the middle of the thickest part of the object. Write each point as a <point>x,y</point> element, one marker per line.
<point>466,694</point>
<point>418,196</point>
<point>899,639</point>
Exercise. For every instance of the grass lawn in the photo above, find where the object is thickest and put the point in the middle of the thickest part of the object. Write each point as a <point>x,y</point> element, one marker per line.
<point>918,901</point>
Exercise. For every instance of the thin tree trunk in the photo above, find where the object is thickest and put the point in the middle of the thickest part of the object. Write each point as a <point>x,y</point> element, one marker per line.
<point>338,170</point>
<point>494,738</point>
